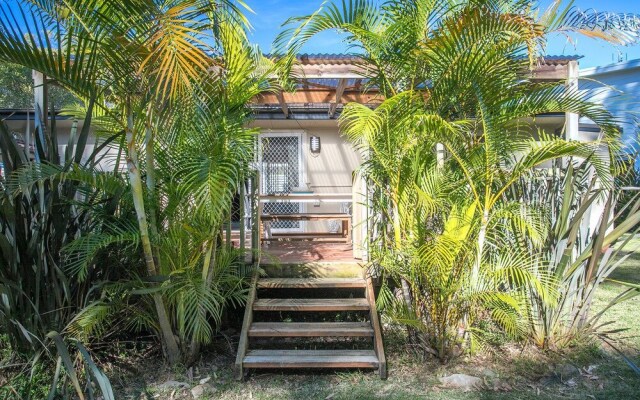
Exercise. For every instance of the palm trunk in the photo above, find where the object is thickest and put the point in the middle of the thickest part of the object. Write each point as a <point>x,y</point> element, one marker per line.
<point>210,260</point>
<point>475,272</point>
<point>207,279</point>
<point>397,242</point>
<point>397,238</point>
<point>482,234</point>
<point>171,346</point>
<point>151,177</point>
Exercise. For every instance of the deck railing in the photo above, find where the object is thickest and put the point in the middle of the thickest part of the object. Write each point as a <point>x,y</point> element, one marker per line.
<point>356,229</point>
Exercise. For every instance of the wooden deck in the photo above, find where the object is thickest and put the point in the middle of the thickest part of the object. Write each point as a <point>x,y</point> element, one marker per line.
<point>310,285</point>
<point>299,251</point>
<point>306,252</point>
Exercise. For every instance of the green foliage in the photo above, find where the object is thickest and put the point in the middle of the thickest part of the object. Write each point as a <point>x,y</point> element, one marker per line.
<point>45,206</point>
<point>197,301</point>
<point>16,89</point>
<point>450,141</point>
<point>171,81</point>
<point>579,249</point>
<point>627,183</point>
<point>92,372</point>
<point>17,86</point>
<point>31,380</point>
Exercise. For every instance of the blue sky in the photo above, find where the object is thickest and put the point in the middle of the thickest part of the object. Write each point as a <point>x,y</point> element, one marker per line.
<point>270,14</point>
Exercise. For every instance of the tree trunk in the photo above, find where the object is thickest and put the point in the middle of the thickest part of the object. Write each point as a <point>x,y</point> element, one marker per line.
<point>151,179</point>
<point>171,346</point>
<point>475,273</point>
<point>406,287</point>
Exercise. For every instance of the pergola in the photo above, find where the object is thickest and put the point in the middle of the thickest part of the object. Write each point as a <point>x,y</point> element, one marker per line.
<point>325,83</point>
<point>328,81</point>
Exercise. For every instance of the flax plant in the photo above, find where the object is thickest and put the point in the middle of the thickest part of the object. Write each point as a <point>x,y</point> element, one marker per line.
<point>149,66</point>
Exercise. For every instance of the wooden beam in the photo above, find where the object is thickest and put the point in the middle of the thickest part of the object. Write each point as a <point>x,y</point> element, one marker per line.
<point>41,108</point>
<point>256,210</point>
<point>283,104</point>
<point>311,329</point>
<point>243,217</point>
<point>41,93</point>
<point>243,344</point>
<point>305,217</point>
<point>342,83</point>
<point>331,71</point>
<point>311,283</point>
<point>314,269</point>
<point>378,344</point>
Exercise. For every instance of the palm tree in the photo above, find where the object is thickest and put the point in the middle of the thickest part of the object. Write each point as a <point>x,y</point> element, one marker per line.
<point>449,141</point>
<point>139,65</point>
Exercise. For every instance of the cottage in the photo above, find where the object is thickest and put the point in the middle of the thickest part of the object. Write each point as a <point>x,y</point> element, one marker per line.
<point>312,216</point>
<point>304,214</point>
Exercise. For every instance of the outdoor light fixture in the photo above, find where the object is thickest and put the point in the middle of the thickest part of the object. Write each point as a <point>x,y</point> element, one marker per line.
<point>314,144</point>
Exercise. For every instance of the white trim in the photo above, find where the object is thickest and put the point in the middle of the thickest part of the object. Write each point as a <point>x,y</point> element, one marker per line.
<point>607,69</point>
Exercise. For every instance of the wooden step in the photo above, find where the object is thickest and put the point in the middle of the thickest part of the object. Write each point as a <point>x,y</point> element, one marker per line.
<point>310,305</point>
<point>310,359</point>
<point>319,269</point>
<point>308,283</point>
<point>310,329</point>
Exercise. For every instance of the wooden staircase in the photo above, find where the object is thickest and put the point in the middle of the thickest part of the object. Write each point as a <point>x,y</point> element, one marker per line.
<point>299,296</point>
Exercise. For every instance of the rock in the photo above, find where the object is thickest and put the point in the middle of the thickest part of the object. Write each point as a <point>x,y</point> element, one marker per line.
<point>461,381</point>
<point>589,370</point>
<point>199,390</point>
<point>173,385</point>
<point>566,371</point>
<point>205,380</point>
<point>501,386</point>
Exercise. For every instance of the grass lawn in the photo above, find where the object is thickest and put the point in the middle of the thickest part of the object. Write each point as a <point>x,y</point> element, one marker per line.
<point>625,314</point>
<point>509,372</point>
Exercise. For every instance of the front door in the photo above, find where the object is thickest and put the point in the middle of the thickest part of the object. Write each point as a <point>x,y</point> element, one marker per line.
<point>281,171</point>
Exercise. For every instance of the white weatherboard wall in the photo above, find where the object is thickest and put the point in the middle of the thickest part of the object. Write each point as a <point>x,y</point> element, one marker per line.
<point>331,171</point>
<point>617,87</point>
<point>108,155</point>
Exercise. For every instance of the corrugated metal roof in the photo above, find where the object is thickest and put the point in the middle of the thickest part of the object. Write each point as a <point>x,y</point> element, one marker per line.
<point>328,58</point>
<point>331,82</point>
<point>559,60</point>
<point>345,59</point>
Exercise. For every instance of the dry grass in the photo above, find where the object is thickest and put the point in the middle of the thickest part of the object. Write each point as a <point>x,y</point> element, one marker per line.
<point>509,371</point>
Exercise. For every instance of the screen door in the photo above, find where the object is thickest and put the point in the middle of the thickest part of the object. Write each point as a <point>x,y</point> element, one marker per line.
<point>281,171</point>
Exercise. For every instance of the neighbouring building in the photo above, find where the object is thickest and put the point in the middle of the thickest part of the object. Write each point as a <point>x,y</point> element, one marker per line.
<point>617,87</point>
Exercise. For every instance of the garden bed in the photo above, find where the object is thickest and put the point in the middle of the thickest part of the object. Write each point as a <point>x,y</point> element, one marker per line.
<point>508,371</point>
